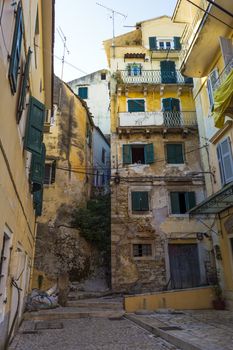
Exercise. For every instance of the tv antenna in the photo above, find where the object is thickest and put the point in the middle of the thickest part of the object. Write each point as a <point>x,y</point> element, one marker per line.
<point>65,48</point>
<point>113,13</point>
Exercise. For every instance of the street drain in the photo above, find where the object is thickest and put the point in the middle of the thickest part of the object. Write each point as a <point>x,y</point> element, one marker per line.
<point>171,328</point>
<point>48,325</point>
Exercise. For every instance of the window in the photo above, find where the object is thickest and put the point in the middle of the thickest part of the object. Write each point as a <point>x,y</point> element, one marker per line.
<point>103,155</point>
<point>156,43</point>
<point>89,135</point>
<point>181,202</point>
<point>171,109</point>
<point>175,153</point>
<point>24,86</point>
<point>225,161</point>
<point>134,69</point>
<point>211,81</point>
<point>16,50</point>
<point>168,72</point>
<point>50,172</point>
<point>227,49</point>
<point>140,250</point>
<point>140,154</point>
<point>140,201</point>
<point>103,76</point>
<point>37,169</point>
<point>83,92</point>
<point>136,105</point>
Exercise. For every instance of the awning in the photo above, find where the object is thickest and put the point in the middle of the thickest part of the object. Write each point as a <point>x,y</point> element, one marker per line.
<point>216,203</point>
<point>222,99</point>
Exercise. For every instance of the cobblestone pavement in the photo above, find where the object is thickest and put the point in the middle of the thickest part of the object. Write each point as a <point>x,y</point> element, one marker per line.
<point>208,329</point>
<point>88,334</point>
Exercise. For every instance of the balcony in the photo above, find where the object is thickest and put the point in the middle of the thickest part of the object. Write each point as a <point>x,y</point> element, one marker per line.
<point>222,77</point>
<point>152,77</point>
<point>159,120</point>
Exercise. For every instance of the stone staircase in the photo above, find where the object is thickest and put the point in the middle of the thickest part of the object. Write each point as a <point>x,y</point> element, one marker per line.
<point>83,304</point>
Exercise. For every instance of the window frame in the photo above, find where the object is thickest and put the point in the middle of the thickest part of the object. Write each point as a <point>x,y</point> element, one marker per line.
<point>140,211</point>
<point>83,88</point>
<point>187,202</point>
<point>149,156</point>
<point>5,252</point>
<point>143,242</point>
<point>221,164</point>
<point>183,152</point>
<point>135,99</point>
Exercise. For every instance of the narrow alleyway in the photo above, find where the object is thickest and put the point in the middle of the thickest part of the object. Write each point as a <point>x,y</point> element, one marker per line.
<point>86,334</point>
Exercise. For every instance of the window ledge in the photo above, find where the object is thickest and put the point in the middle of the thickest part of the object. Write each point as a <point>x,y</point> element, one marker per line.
<point>139,258</point>
<point>178,216</point>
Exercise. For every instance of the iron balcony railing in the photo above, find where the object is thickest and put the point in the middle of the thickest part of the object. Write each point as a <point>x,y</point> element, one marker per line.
<point>152,77</point>
<point>222,77</point>
<point>158,119</point>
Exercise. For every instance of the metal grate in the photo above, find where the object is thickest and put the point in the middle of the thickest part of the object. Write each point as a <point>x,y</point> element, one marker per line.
<point>171,328</point>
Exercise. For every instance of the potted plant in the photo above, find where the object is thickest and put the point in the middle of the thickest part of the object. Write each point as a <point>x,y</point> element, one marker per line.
<point>218,302</point>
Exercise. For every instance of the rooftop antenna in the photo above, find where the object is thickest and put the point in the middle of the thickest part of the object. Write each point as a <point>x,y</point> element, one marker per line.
<point>65,50</point>
<point>113,13</point>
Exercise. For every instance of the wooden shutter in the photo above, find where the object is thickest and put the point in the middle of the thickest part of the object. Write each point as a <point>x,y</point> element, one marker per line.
<point>153,43</point>
<point>127,154</point>
<point>168,72</point>
<point>38,201</point>
<point>24,85</point>
<point>149,153</point>
<point>175,153</point>
<point>227,49</point>
<point>227,161</point>
<point>140,201</point>
<point>175,205</point>
<point>38,166</point>
<point>175,103</point>
<point>83,92</point>
<point>16,49</point>
<point>190,200</point>
<point>167,104</point>
<point>136,105</point>
<point>220,164</point>
<point>177,45</point>
<point>34,128</point>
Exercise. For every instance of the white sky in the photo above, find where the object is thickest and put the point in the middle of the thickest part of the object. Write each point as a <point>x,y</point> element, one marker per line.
<point>86,25</point>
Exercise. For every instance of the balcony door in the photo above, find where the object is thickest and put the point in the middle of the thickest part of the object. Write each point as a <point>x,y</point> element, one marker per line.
<point>171,112</point>
<point>168,72</point>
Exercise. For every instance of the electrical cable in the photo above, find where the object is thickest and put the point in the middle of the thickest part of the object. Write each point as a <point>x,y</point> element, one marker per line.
<point>207,12</point>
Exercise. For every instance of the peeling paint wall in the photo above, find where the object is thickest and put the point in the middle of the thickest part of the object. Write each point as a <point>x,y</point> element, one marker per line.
<point>59,247</point>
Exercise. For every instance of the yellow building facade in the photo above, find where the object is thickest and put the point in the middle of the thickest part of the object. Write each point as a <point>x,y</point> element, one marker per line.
<point>26,47</point>
<point>67,186</point>
<point>156,170</point>
<point>207,55</point>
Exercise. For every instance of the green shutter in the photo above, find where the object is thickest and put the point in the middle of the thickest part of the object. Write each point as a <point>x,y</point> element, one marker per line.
<point>177,45</point>
<point>168,72</point>
<point>153,43</point>
<point>149,153</point>
<point>140,201</point>
<point>34,128</point>
<point>83,92</point>
<point>127,154</point>
<point>175,104</point>
<point>38,201</point>
<point>144,201</point>
<point>136,105</point>
<point>175,206</point>
<point>190,200</point>
<point>175,154</point>
<point>167,104</point>
<point>16,50</point>
<point>38,167</point>
<point>24,85</point>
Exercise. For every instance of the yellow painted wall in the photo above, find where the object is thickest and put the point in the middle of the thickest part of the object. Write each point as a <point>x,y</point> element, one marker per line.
<point>16,204</point>
<point>190,299</point>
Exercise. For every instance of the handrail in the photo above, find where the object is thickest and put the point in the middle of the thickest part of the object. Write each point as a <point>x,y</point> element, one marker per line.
<point>223,75</point>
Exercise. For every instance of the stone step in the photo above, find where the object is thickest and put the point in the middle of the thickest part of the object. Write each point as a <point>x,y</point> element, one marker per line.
<point>96,304</point>
<point>78,295</point>
<point>72,313</point>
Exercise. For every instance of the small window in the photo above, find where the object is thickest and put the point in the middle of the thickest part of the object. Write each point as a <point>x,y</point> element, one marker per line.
<point>181,202</point>
<point>175,153</point>
<point>140,201</point>
<point>225,161</point>
<point>140,154</point>
<point>211,84</point>
<point>136,105</point>
<point>161,45</point>
<point>103,157</point>
<point>103,76</point>
<point>140,250</point>
<point>83,92</point>
<point>50,173</point>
